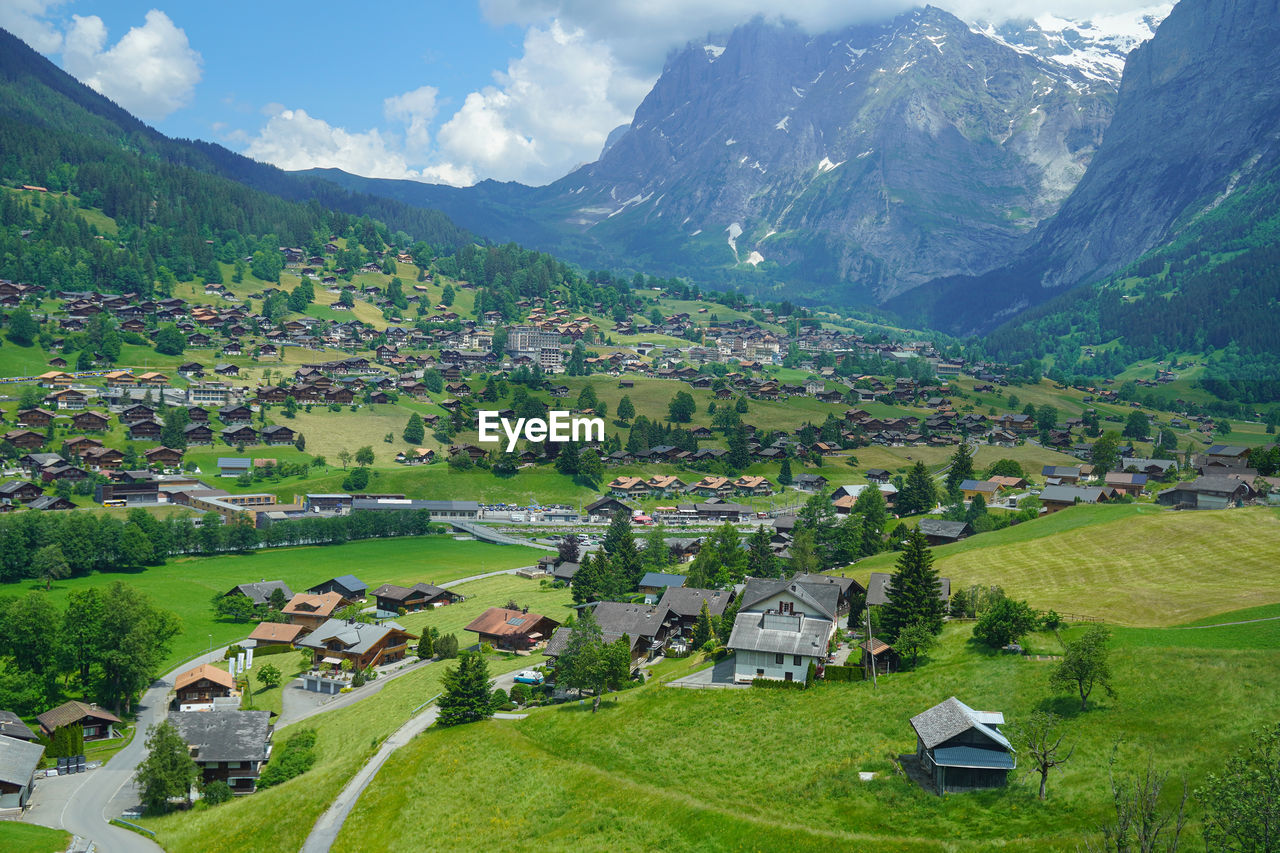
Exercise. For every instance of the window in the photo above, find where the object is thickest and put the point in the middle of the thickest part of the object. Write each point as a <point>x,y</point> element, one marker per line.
<point>778,658</point>
<point>786,607</point>
<point>795,660</point>
<point>759,673</point>
<point>787,677</point>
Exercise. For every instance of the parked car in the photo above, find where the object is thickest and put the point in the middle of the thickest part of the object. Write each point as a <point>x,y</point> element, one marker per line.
<point>528,676</point>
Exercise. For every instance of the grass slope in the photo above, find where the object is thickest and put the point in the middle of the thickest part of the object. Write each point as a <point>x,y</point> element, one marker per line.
<point>280,818</point>
<point>1132,564</point>
<point>28,838</point>
<point>670,769</point>
<point>185,586</point>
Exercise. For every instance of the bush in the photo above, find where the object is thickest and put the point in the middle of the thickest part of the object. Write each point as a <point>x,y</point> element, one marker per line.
<point>447,647</point>
<point>499,698</point>
<point>216,792</point>
<point>486,649</point>
<point>1006,622</point>
<point>520,694</point>
<point>775,684</point>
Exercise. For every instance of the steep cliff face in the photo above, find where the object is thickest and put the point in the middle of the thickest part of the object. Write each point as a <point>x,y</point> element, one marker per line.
<point>854,165</point>
<point>1197,120</point>
<point>878,157</point>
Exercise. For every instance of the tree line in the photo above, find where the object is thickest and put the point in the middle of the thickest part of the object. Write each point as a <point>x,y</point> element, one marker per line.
<point>86,542</point>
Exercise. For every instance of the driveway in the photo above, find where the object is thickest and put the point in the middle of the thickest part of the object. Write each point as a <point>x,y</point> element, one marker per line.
<point>718,676</point>
<point>84,803</point>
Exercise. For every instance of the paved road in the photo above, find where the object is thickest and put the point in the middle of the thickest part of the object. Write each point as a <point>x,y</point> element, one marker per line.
<point>326,830</point>
<point>83,804</point>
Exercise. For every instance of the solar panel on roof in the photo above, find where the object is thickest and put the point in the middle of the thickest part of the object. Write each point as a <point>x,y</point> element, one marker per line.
<point>515,620</point>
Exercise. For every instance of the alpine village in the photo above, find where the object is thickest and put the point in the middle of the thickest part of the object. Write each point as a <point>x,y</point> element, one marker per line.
<point>914,524</point>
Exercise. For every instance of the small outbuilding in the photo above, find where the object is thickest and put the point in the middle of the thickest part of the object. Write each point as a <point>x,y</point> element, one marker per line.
<point>961,749</point>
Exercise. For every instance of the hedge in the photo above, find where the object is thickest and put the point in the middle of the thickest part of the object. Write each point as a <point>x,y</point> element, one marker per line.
<point>844,673</point>
<point>776,684</point>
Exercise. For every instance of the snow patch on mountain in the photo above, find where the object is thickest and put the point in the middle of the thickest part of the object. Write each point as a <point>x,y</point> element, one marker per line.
<point>1096,48</point>
<point>735,231</point>
<point>713,51</point>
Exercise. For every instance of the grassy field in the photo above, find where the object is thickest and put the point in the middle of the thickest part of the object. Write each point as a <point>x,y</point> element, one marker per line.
<point>185,586</point>
<point>1132,564</point>
<point>346,739</point>
<point>18,837</point>
<point>486,593</point>
<point>670,769</point>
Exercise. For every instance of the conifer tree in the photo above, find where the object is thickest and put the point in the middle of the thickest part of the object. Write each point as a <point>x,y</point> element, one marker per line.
<point>784,476</point>
<point>919,494</point>
<point>466,696</point>
<point>703,629</point>
<point>913,595</point>
<point>760,560</point>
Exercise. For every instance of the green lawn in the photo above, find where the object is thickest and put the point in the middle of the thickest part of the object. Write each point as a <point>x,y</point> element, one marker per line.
<point>1132,564</point>
<point>279,819</point>
<point>670,769</point>
<point>483,594</point>
<point>186,585</point>
<point>18,837</point>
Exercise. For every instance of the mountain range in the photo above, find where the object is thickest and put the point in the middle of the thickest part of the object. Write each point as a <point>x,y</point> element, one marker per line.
<point>955,173</point>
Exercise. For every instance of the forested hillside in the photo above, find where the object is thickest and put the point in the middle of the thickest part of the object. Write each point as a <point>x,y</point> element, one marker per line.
<point>170,198</point>
<point>1213,291</point>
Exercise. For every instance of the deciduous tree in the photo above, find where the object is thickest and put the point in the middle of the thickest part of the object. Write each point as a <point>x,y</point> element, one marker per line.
<point>1085,665</point>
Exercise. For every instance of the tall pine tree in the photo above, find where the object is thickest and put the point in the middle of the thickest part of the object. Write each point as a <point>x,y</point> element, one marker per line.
<point>913,590</point>
<point>919,493</point>
<point>466,692</point>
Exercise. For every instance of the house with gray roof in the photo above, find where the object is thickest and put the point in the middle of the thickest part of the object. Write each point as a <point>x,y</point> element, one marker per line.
<point>939,532</point>
<point>1055,498</point>
<point>879,589</point>
<point>1212,491</point>
<point>654,584</point>
<point>349,587</point>
<point>18,762</point>
<point>781,628</point>
<point>11,725</point>
<point>961,749</point>
<point>643,625</point>
<point>260,593</point>
<point>231,746</point>
<point>363,643</point>
<point>681,605</point>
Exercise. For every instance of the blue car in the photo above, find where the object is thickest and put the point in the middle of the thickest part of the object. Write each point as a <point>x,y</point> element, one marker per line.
<point>528,676</point>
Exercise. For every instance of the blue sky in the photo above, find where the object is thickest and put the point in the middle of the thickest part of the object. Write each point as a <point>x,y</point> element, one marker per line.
<point>450,92</point>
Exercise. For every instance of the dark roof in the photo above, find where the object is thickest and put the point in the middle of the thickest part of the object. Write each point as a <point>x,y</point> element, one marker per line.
<point>973,756</point>
<point>1226,450</point>
<point>73,712</point>
<point>351,583</point>
<point>823,597</point>
<point>260,592</point>
<point>943,529</point>
<point>661,579</point>
<point>947,719</point>
<point>18,760</point>
<point>687,601</point>
<point>401,593</point>
<point>224,735</point>
<point>878,588</point>
<point>11,725</point>
<point>1060,471</point>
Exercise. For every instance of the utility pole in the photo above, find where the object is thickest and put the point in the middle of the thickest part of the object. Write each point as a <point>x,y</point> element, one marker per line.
<point>871,654</point>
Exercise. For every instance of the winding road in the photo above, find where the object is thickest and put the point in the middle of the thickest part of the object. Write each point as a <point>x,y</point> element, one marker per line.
<point>85,804</point>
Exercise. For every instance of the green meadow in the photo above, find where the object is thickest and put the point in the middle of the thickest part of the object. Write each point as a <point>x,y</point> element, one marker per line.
<point>186,585</point>
<point>671,769</point>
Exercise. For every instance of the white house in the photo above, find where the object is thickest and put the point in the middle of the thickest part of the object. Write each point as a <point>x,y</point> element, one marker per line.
<point>781,628</point>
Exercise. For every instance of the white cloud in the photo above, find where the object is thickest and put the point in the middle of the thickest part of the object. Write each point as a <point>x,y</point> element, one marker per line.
<point>27,19</point>
<point>415,110</point>
<point>291,139</point>
<point>551,109</point>
<point>585,66</point>
<point>151,71</point>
